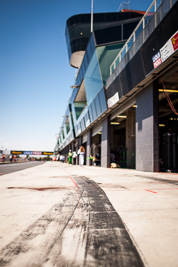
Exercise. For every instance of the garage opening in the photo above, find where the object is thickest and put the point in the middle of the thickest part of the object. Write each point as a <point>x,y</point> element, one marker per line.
<point>123,139</point>
<point>168,123</point>
<point>96,145</point>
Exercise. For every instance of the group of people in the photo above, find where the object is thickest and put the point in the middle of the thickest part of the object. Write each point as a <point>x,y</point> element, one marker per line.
<point>73,155</point>
<point>81,155</point>
<point>11,157</point>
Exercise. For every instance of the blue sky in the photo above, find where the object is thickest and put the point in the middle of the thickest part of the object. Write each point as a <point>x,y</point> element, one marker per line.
<point>35,75</point>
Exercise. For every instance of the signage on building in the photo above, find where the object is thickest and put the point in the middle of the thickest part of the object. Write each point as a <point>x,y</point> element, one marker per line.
<point>113,100</point>
<point>28,152</point>
<point>47,153</point>
<point>157,60</point>
<point>17,152</point>
<point>174,40</point>
<point>37,153</point>
<point>166,51</point>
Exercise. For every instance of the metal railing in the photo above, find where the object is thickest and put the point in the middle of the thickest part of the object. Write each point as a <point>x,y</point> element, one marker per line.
<point>155,13</point>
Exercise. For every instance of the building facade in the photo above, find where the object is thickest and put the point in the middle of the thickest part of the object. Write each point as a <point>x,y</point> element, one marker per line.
<point>124,105</point>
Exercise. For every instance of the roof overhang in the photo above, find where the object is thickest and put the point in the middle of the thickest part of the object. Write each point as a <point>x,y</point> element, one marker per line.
<point>76,59</point>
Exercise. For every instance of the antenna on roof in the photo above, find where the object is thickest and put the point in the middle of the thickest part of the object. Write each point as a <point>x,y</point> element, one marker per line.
<point>124,5</point>
<point>91,15</point>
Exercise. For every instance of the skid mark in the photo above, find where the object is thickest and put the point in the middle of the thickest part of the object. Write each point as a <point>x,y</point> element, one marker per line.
<point>34,244</point>
<point>41,188</point>
<point>83,230</point>
<point>108,243</point>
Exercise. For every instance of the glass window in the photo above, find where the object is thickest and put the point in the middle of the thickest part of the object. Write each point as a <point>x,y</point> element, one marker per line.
<point>98,107</point>
<point>93,81</point>
<point>87,119</point>
<point>63,136</point>
<point>67,126</point>
<point>91,114</point>
<point>79,107</point>
<point>92,44</point>
<point>80,77</point>
<point>85,61</point>
<point>102,101</point>
<point>83,124</point>
<point>79,128</point>
<point>88,51</point>
<point>94,110</point>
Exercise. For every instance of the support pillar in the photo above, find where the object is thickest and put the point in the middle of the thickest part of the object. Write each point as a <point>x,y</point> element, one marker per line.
<point>88,152</point>
<point>147,132</point>
<point>105,143</point>
<point>130,139</point>
<point>79,143</point>
<point>73,149</point>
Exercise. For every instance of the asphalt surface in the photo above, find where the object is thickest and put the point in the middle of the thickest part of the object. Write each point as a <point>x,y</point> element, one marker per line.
<point>65,215</point>
<point>12,167</point>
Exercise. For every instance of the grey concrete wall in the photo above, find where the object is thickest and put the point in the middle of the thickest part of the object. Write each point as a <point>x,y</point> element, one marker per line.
<point>147,137</point>
<point>105,143</point>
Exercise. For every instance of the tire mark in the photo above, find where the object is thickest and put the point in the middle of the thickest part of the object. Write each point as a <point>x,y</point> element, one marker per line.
<point>108,242</point>
<point>34,244</point>
<point>83,230</point>
<point>169,181</point>
<point>95,235</point>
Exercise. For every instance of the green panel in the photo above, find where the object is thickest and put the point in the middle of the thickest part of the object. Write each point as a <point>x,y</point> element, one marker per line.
<point>106,55</point>
<point>79,107</point>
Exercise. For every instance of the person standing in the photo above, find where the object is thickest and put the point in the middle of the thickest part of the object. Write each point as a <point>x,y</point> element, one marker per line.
<point>3,158</point>
<point>74,156</point>
<point>62,158</point>
<point>70,157</point>
<point>11,157</point>
<point>81,153</point>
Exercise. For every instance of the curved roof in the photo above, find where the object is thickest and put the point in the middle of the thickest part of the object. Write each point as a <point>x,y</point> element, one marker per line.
<point>78,30</point>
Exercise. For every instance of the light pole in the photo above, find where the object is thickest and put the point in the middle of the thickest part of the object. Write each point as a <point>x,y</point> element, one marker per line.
<point>91,15</point>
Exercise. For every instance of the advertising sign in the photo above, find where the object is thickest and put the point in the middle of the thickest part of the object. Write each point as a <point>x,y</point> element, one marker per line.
<point>113,100</point>
<point>47,153</point>
<point>166,51</point>
<point>28,152</point>
<point>37,153</point>
<point>174,41</point>
<point>156,60</point>
<point>16,152</point>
